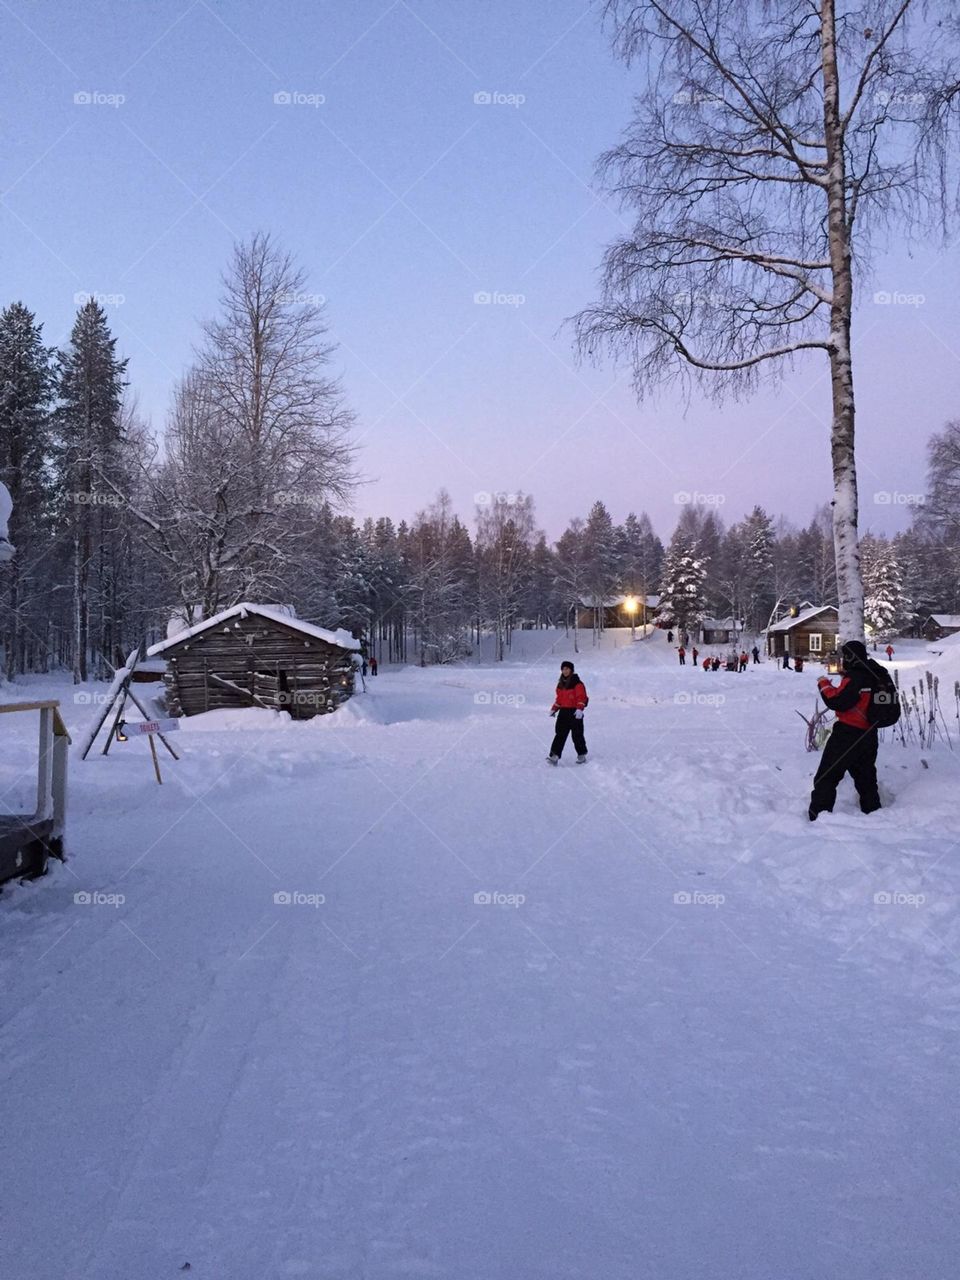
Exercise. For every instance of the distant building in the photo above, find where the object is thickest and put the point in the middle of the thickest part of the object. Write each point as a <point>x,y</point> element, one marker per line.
<point>721,630</point>
<point>811,633</point>
<point>616,612</point>
<point>940,625</point>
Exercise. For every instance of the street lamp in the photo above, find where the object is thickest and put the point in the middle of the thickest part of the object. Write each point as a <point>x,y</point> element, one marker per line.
<point>630,604</point>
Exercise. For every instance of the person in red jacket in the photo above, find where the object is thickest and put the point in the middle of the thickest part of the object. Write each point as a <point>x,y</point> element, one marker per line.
<point>890,652</point>
<point>569,704</point>
<point>852,745</point>
<point>682,655</point>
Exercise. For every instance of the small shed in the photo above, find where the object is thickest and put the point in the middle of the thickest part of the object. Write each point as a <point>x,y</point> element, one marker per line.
<point>940,625</point>
<point>721,630</point>
<point>812,633</point>
<point>255,655</point>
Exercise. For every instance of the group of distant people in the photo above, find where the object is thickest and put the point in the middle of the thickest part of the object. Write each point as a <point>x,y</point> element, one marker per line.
<point>712,662</point>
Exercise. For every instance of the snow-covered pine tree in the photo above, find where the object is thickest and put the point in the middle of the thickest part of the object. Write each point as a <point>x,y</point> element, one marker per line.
<point>884,607</point>
<point>641,558</point>
<point>682,597</point>
<point>601,560</point>
<point>27,386</point>
<point>89,430</point>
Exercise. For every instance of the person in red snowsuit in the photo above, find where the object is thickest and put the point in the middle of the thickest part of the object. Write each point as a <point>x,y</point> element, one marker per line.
<point>569,704</point>
<point>890,652</point>
<point>682,655</point>
<point>852,745</point>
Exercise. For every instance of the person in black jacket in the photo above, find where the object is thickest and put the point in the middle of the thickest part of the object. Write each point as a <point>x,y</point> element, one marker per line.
<point>852,745</point>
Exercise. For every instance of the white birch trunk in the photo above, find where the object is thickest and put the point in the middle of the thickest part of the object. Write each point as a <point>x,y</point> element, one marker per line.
<point>845,537</point>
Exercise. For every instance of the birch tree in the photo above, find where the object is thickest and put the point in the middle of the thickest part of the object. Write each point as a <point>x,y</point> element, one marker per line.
<point>771,141</point>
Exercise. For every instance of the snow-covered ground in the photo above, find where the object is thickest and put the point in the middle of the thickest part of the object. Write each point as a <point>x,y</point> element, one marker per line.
<point>681,1033</point>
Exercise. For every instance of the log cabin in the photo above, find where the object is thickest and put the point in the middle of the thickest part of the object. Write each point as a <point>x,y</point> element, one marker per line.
<point>254,656</point>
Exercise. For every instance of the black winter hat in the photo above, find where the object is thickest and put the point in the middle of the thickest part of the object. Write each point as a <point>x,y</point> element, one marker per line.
<point>854,651</point>
<point>564,665</point>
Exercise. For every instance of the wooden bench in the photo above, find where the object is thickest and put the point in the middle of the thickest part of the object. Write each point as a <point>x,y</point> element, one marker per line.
<point>28,840</point>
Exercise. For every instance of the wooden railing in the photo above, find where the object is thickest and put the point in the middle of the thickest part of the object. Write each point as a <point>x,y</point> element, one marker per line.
<point>26,840</point>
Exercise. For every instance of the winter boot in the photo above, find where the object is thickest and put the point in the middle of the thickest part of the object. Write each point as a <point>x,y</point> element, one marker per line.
<point>582,759</point>
<point>554,760</point>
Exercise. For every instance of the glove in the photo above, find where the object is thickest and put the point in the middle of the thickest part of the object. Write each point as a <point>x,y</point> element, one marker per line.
<point>553,711</point>
<point>578,715</point>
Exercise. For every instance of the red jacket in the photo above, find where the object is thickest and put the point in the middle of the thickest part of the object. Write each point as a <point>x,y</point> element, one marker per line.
<point>574,699</point>
<point>849,699</point>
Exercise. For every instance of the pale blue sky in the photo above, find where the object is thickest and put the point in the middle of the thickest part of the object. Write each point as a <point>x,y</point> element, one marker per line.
<point>403,198</point>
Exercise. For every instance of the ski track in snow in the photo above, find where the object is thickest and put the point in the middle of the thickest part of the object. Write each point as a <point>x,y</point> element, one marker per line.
<point>698,1046</point>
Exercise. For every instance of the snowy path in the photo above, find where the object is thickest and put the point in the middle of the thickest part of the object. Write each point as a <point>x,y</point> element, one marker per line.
<point>599,1082</point>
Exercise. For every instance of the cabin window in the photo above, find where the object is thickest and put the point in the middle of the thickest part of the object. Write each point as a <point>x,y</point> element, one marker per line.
<point>816,642</point>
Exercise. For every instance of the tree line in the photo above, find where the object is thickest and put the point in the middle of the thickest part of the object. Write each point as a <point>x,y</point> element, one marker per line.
<point>246,493</point>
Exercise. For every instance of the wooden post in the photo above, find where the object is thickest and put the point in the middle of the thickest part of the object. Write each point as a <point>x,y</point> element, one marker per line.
<point>156,762</point>
<point>45,769</point>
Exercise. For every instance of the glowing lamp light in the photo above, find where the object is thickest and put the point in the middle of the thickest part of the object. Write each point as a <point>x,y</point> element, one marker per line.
<point>833,663</point>
<point>630,604</point>
<point>121,736</point>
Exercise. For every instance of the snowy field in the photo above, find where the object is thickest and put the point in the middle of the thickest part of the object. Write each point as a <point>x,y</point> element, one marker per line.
<point>689,1035</point>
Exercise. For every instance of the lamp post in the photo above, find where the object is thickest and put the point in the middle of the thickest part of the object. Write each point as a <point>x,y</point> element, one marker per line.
<point>630,604</point>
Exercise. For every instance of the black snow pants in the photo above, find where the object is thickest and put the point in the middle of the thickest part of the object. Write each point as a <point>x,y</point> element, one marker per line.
<point>568,723</point>
<point>852,751</point>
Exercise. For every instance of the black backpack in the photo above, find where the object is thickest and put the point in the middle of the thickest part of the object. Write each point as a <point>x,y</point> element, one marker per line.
<point>884,709</point>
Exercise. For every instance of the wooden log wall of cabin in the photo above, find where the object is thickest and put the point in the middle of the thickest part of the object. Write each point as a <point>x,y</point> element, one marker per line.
<point>323,669</point>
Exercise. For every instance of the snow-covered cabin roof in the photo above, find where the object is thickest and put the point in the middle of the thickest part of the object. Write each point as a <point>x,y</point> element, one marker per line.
<point>186,616</point>
<point>787,624</point>
<point>945,619</point>
<point>340,637</point>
